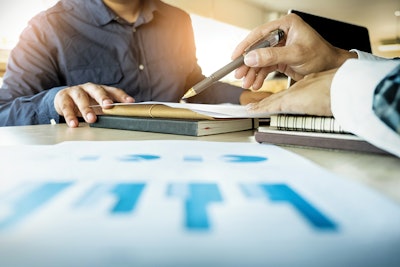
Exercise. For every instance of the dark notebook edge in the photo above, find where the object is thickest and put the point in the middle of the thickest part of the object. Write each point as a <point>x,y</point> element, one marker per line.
<point>317,141</point>
<point>162,125</point>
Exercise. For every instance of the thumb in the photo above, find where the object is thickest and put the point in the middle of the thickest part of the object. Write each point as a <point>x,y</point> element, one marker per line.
<point>268,56</point>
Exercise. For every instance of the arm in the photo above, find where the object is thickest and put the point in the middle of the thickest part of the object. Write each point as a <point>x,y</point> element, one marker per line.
<point>27,110</point>
<point>35,87</point>
<point>352,96</point>
<point>348,94</point>
<point>23,98</point>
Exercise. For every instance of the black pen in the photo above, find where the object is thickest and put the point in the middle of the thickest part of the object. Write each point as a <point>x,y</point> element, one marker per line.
<point>271,40</point>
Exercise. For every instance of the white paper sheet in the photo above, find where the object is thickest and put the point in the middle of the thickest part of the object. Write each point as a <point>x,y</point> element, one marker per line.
<point>186,203</point>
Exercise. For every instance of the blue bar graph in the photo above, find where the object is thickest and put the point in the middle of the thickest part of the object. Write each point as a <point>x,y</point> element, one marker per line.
<point>197,197</point>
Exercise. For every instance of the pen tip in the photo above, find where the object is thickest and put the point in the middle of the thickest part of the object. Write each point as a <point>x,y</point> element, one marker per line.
<point>189,94</point>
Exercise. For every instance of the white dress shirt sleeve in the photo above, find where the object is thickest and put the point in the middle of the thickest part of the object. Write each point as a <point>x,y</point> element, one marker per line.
<point>352,93</point>
<point>367,56</point>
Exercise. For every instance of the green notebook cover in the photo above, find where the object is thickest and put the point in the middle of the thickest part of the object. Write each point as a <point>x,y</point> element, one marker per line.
<point>175,126</point>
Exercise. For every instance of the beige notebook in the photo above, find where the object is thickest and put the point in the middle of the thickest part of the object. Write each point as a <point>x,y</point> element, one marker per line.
<point>183,111</point>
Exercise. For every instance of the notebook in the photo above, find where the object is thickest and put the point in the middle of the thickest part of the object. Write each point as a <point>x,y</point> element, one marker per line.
<point>178,118</point>
<point>306,123</point>
<point>335,141</point>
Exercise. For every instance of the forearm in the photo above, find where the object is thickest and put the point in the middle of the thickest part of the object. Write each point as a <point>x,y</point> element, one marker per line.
<point>352,94</point>
<point>28,110</point>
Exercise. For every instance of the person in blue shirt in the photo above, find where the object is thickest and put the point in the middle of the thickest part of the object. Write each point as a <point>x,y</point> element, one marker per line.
<point>360,90</point>
<point>81,53</point>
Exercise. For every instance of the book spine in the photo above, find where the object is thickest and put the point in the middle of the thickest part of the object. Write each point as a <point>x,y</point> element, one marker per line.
<point>306,123</point>
<point>147,125</point>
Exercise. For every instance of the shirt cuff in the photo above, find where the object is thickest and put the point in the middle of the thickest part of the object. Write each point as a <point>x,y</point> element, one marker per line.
<point>49,113</point>
<point>367,56</point>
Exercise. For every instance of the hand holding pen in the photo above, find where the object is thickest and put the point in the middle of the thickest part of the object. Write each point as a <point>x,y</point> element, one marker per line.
<point>303,52</point>
<point>271,40</point>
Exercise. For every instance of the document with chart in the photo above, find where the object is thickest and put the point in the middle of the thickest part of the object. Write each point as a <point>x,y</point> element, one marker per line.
<point>186,203</point>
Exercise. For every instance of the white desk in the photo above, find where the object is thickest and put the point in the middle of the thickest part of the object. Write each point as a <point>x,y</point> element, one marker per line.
<point>377,171</point>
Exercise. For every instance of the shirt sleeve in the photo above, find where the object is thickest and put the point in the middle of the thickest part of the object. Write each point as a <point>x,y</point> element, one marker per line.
<point>367,56</point>
<point>30,82</point>
<point>352,95</point>
<point>29,110</point>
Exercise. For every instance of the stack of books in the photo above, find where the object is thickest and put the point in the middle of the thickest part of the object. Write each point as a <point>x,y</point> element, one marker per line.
<point>205,119</point>
<point>177,118</point>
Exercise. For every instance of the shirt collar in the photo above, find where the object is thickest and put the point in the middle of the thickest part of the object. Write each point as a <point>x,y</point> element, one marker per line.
<point>102,15</point>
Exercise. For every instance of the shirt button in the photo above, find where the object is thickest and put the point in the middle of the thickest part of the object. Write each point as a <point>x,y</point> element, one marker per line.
<point>141,67</point>
<point>133,29</point>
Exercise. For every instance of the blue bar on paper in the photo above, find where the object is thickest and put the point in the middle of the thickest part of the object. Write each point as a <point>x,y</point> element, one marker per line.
<point>32,201</point>
<point>243,158</point>
<point>283,193</point>
<point>128,196</point>
<point>197,197</point>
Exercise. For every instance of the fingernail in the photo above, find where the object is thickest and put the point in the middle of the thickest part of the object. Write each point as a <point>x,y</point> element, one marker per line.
<point>129,99</point>
<point>251,59</point>
<point>72,124</point>
<point>107,102</point>
<point>90,117</point>
<point>244,84</point>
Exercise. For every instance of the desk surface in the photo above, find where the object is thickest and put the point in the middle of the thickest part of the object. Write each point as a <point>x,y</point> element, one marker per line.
<point>379,172</point>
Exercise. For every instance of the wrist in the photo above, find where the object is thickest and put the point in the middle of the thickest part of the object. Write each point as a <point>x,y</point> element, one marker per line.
<point>343,55</point>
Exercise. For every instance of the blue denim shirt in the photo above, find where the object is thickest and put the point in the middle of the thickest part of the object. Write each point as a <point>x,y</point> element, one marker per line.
<point>80,41</point>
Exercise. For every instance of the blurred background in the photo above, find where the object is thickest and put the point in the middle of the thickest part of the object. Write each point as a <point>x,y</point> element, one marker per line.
<point>220,24</point>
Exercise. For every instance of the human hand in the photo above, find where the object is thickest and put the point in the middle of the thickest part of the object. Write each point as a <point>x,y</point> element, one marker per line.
<point>303,52</point>
<point>310,95</point>
<point>76,101</point>
<point>248,96</point>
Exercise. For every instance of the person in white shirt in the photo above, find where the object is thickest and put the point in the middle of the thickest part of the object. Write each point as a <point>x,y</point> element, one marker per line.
<point>360,90</point>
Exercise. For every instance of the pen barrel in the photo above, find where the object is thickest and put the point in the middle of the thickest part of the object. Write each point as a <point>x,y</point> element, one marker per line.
<point>262,44</point>
<point>219,74</point>
<point>272,40</point>
<point>234,64</point>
